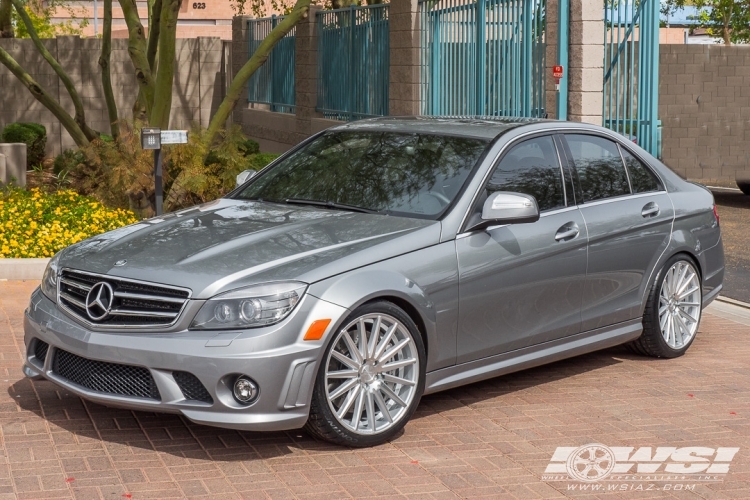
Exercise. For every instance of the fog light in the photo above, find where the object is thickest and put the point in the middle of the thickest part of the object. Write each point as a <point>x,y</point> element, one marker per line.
<point>245,390</point>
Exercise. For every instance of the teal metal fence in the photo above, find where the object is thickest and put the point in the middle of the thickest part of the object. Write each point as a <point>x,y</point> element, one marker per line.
<point>353,62</point>
<point>483,57</point>
<point>272,83</point>
<point>631,71</point>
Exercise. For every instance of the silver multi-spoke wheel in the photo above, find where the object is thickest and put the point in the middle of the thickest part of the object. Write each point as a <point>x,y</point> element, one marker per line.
<point>371,374</point>
<point>679,304</point>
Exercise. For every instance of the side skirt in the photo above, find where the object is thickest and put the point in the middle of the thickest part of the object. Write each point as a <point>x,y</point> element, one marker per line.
<point>529,357</point>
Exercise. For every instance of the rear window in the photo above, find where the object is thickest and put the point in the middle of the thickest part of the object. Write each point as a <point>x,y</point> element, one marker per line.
<point>601,172</point>
<point>642,180</point>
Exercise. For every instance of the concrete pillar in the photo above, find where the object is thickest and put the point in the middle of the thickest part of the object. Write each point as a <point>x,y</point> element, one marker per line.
<point>585,91</point>
<point>239,58</point>
<point>403,90</point>
<point>15,162</point>
<point>306,74</point>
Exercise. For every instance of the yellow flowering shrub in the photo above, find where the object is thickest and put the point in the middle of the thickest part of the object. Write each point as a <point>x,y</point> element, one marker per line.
<point>39,224</point>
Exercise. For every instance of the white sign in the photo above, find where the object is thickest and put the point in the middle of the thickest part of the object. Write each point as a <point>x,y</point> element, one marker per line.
<point>597,462</point>
<point>174,136</point>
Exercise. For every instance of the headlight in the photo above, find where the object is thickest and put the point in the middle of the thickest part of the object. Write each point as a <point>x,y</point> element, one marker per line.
<point>49,280</point>
<point>254,306</point>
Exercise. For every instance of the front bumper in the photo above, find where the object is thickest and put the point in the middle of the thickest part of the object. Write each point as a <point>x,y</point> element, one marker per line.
<point>276,358</point>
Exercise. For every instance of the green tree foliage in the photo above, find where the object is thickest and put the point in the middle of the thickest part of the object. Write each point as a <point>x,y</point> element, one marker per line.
<point>41,14</point>
<point>725,19</point>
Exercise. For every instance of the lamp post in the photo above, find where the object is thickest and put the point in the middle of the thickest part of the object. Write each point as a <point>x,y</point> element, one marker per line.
<point>151,139</point>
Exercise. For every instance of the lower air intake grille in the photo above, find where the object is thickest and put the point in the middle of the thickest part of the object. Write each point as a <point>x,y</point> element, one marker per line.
<point>40,350</point>
<point>191,387</point>
<point>110,378</point>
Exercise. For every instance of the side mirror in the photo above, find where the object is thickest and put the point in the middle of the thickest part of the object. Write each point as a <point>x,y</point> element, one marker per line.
<point>244,176</point>
<point>503,207</point>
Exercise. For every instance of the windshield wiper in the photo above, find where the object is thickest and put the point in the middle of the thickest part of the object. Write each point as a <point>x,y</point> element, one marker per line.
<point>331,204</point>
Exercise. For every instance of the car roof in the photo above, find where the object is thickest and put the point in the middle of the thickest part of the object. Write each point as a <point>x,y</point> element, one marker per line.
<point>480,127</point>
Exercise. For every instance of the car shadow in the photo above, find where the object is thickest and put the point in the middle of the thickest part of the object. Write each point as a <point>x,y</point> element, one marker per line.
<point>175,435</point>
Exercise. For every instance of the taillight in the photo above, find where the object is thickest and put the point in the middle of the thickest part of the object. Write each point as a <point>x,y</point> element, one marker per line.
<point>716,214</point>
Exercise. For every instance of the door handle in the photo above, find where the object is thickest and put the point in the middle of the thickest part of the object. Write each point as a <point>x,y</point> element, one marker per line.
<point>650,210</point>
<point>567,232</point>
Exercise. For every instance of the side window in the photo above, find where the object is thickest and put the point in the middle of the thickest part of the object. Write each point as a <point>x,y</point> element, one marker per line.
<point>531,167</point>
<point>599,166</point>
<point>641,178</point>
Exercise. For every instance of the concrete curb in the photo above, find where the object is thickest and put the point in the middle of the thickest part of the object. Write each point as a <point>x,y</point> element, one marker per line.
<point>22,269</point>
<point>734,302</point>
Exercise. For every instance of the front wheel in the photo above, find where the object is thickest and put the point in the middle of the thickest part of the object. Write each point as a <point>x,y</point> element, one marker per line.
<point>371,378</point>
<point>673,310</point>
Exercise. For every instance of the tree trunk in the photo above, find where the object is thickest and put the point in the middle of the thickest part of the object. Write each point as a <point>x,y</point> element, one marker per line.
<point>109,96</point>
<point>259,57</point>
<point>137,51</point>
<point>6,24</point>
<point>43,97</point>
<point>154,28</point>
<point>165,72</point>
<point>80,114</point>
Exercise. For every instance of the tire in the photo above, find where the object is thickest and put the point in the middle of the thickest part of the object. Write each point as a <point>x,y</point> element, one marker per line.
<point>670,321</point>
<point>385,399</point>
<point>744,186</point>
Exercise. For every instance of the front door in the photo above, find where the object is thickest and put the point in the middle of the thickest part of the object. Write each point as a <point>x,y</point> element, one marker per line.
<point>522,284</point>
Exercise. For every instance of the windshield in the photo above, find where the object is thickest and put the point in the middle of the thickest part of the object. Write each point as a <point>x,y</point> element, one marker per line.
<point>414,175</point>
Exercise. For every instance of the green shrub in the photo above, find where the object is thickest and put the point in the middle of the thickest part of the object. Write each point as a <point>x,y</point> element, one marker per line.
<point>34,135</point>
<point>68,161</point>
<point>248,147</point>
<point>260,160</point>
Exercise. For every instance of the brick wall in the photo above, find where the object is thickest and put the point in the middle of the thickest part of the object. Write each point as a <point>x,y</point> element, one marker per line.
<point>704,106</point>
<point>197,92</point>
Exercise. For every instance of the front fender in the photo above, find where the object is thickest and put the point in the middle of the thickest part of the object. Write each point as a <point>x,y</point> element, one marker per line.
<point>425,283</point>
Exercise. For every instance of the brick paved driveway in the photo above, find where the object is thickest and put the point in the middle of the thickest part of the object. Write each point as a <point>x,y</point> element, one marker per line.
<point>490,439</point>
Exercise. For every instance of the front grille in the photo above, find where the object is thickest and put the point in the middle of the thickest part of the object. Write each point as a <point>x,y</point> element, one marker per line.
<point>110,378</point>
<point>40,350</point>
<point>191,387</point>
<point>134,303</point>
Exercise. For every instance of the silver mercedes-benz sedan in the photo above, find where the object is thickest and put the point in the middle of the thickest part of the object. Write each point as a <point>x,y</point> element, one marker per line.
<point>376,262</point>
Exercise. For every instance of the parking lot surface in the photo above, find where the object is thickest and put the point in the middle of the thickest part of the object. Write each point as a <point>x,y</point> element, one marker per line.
<point>734,210</point>
<point>492,439</point>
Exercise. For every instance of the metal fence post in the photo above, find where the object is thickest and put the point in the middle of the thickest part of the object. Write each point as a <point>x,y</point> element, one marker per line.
<point>563,26</point>
<point>481,61</point>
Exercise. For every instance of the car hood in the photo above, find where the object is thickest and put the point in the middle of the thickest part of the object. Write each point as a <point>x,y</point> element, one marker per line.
<point>227,244</point>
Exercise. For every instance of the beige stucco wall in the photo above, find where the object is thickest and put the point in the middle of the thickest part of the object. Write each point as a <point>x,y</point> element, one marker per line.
<point>197,90</point>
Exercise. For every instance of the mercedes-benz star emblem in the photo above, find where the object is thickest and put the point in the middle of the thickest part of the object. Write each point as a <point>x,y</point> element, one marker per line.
<point>121,262</point>
<point>99,301</point>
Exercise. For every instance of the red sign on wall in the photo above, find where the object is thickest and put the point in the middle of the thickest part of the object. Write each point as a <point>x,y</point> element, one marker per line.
<point>557,71</point>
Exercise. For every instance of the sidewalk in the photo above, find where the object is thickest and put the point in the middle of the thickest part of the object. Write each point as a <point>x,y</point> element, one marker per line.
<point>491,439</point>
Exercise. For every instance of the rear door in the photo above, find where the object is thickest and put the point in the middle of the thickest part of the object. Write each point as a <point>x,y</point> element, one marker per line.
<point>522,284</point>
<point>629,218</point>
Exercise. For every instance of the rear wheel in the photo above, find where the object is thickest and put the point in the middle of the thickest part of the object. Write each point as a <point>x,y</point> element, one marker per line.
<point>371,378</point>
<point>673,310</point>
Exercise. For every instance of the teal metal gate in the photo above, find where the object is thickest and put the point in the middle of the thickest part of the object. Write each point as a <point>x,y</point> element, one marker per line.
<point>631,71</point>
<point>273,82</point>
<point>483,57</point>
<point>353,62</point>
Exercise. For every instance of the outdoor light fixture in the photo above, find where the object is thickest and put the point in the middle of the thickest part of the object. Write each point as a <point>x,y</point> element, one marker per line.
<point>245,390</point>
<point>151,138</point>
